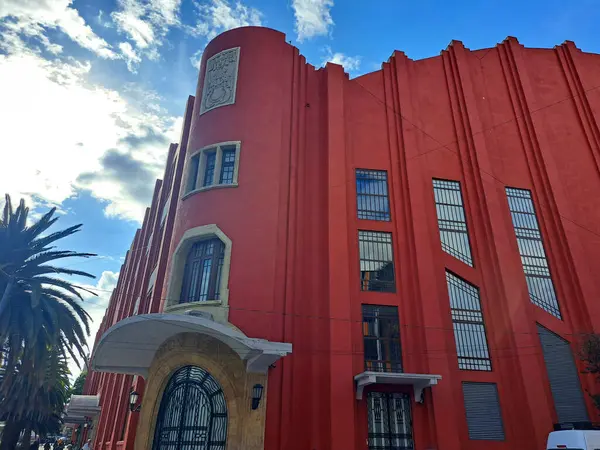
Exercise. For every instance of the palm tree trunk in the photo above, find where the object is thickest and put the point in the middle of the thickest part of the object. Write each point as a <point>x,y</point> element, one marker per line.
<point>10,435</point>
<point>6,295</point>
<point>26,439</point>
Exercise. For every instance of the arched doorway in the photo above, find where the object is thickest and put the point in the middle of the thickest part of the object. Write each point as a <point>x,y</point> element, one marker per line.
<point>192,414</point>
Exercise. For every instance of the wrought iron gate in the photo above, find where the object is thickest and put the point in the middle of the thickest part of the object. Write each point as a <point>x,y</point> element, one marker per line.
<point>193,413</point>
<point>390,422</point>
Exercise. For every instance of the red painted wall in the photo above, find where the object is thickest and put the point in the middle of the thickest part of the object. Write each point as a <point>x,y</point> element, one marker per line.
<point>491,118</point>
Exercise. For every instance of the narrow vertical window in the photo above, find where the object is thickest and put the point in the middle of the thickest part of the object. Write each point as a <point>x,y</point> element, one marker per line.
<point>209,168</point>
<point>193,172</point>
<point>376,261</point>
<point>531,247</point>
<point>468,325</point>
<point>372,195</point>
<point>227,166</point>
<point>452,222</point>
<point>203,271</point>
<point>381,336</point>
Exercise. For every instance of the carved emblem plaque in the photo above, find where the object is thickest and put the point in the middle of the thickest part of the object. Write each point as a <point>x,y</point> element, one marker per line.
<point>220,80</point>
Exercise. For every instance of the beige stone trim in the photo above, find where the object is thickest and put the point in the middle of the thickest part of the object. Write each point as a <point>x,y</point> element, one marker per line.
<point>245,427</point>
<point>218,308</point>
<point>218,148</point>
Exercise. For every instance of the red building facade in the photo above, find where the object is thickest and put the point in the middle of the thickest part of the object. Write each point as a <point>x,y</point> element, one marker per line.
<point>406,259</point>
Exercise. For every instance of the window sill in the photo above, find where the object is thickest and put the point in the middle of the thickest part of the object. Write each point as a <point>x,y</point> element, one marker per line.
<point>192,305</point>
<point>209,188</point>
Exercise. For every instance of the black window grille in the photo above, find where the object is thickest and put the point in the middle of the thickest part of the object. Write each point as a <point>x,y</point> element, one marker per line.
<point>531,247</point>
<point>192,413</point>
<point>193,172</point>
<point>389,421</point>
<point>227,166</point>
<point>469,328</point>
<point>202,276</point>
<point>209,168</point>
<point>376,261</point>
<point>372,195</point>
<point>452,222</point>
<point>381,336</point>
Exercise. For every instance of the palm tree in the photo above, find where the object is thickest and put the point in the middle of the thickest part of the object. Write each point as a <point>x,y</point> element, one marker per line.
<point>32,406</point>
<point>39,313</point>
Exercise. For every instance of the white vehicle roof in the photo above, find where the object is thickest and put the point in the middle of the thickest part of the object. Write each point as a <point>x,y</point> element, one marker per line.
<point>574,439</point>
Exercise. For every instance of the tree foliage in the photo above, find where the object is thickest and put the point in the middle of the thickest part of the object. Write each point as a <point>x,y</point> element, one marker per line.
<point>77,388</point>
<point>590,355</point>
<point>42,320</point>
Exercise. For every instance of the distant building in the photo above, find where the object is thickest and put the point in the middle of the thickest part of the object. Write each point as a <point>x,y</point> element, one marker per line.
<point>401,260</point>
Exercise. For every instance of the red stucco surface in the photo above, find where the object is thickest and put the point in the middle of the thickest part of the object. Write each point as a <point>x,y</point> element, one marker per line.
<point>491,118</point>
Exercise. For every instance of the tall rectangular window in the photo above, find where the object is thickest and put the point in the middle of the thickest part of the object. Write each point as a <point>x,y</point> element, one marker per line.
<point>227,166</point>
<point>531,247</point>
<point>193,177</point>
<point>381,336</point>
<point>469,328</point>
<point>202,274</point>
<point>372,195</point>
<point>209,168</point>
<point>376,261</point>
<point>452,222</point>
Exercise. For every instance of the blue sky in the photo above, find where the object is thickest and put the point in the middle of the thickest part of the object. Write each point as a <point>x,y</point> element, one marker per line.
<point>92,91</point>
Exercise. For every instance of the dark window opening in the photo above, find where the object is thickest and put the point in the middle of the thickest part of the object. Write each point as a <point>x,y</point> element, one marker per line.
<point>193,177</point>
<point>202,276</point>
<point>209,168</point>
<point>381,337</point>
<point>227,166</point>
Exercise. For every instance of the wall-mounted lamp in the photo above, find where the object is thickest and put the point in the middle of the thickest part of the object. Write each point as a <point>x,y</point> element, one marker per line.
<point>257,392</point>
<point>133,401</point>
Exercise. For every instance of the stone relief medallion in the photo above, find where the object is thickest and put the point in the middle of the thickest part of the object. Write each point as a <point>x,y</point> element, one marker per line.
<point>220,80</point>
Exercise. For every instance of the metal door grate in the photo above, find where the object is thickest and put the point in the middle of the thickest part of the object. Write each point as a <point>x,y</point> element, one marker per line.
<point>390,421</point>
<point>193,413</point>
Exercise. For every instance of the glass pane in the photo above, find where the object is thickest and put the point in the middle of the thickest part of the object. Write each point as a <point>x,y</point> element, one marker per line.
<point>209,168</point>
<point>372,195</point>
<point>376,261</point>
<point>469,328</point>
<point>381,331</point>
<point>227,166</point>
<point>531,248</point>
<point>452,222</point>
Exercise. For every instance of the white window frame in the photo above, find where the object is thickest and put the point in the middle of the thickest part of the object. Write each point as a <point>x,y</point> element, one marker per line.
<point>201,154</point>
<point>218,308</point>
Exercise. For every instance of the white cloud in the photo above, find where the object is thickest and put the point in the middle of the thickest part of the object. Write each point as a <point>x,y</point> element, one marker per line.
<point>196,58</point>
<point>218,16</point>
<point>313,18</point>
<point>130,55</point>
<point>96,306</point>
<point>67,134</point>
<point>350,63</point>
<point>146,22</point>
<point>32,17</point>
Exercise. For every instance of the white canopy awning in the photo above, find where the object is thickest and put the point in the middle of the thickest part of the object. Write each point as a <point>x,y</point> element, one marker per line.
<point>129,346</point>
<point>418,381</point>
<point>80,407</point>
